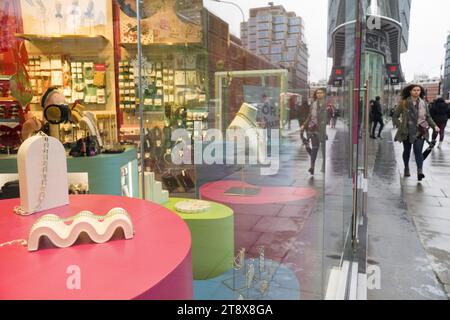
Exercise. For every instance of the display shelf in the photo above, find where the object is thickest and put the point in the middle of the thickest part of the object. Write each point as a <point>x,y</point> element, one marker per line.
<point>9,120</point>
<point>134,46</point>
<point>104,170</point>
<point>154,112</point>
<point>63,38</point>
<point>130,46</point>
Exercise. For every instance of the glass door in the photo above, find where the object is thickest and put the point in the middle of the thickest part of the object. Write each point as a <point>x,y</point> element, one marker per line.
<point>346,179</point>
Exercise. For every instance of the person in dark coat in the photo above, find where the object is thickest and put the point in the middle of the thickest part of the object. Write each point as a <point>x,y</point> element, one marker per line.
<point>371,103</point>
<point>303,111</point>
<point>377,117</point>
<point>315,126</point>
<point>440,112</point>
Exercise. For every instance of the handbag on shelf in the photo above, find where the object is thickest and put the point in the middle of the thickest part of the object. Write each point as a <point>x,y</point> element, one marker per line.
<point>10,190</point>
<point>86,147</point>
<point>169,181</point>
<point>114,150</point>
<point>185,180</point>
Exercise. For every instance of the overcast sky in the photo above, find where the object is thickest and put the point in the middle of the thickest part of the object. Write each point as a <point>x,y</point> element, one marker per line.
<point>430,25</point>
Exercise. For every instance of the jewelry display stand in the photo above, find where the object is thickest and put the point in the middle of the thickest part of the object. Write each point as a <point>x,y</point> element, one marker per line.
<point>245,121</point>
<point>64,233</point>
<point>252,278</point>
<point>42,167</point>
<point>153,189</point>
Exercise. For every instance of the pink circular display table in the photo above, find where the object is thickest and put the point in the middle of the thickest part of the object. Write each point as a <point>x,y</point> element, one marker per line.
<point>216,191</point>
<point>155,264</point>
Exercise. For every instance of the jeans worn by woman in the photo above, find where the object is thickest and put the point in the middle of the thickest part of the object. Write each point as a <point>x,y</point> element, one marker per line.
<point>418,147</point>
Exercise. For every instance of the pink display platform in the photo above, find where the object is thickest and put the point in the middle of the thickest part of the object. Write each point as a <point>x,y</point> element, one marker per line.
<point>273,218</point>
<point>215,191</point>
<point>155,264</point>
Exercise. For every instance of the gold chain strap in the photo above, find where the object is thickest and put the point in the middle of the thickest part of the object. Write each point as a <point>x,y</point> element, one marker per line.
<point>22,242</point>
<point>19,210</point>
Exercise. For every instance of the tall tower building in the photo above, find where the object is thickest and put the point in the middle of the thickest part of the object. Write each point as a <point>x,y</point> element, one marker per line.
<point>279,36</point>
<point>446,83</point>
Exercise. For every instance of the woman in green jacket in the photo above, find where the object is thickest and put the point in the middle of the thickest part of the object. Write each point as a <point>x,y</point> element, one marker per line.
<point>413,120</point>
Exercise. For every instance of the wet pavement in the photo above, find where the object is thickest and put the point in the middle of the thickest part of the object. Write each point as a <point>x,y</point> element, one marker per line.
<point>408,225</point>
<point>428,204</point>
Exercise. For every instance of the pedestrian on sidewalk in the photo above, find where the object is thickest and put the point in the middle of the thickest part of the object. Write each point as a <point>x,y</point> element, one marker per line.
<point>302,112</point>
<point>377,117</point>
<point>371,103</point>
<point>330,111</point>
<point>414,126</point>
<point>315,127</point>
<point>440,112</point>
<point>336,114</point>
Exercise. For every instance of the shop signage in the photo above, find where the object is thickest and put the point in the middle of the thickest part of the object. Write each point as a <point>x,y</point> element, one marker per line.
<point>394,81</point>
<point>267,101</point>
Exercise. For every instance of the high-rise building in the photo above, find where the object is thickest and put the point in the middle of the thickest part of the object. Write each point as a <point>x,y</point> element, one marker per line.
<point>446,82</point>
<point>386,36</point>
<point>279,36</point>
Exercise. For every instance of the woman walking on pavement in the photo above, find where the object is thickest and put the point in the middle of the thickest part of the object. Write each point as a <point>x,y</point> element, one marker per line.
<point>440,113</point>
<point>413,126</point>
<point>315,126</point>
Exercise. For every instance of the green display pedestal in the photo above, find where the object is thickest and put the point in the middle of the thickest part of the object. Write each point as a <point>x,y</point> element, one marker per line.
<point>212,239</point>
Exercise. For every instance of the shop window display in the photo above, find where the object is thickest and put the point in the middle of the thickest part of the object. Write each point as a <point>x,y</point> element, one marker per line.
<point>82,68</point>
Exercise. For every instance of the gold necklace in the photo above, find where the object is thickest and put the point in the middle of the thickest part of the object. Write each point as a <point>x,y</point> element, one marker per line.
<point>22,242</point>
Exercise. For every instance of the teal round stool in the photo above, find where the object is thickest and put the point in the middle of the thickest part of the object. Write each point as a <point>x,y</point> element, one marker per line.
<point>212,235</point>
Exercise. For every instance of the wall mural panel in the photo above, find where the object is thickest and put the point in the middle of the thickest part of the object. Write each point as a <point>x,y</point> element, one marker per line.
<point>163,21</point>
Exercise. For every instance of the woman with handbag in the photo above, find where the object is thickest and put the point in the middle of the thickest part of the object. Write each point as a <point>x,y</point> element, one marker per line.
<point>414,126</point>
<point>315,126</point>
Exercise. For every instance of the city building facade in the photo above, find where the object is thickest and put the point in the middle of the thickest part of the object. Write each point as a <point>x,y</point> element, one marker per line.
<point>431,86</point>
<point>446,80</point>
<point>279,36</point>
